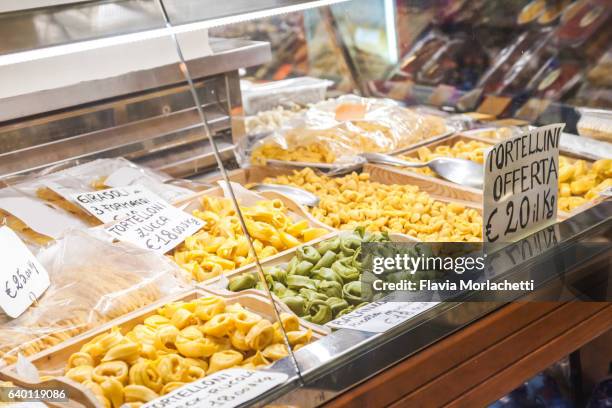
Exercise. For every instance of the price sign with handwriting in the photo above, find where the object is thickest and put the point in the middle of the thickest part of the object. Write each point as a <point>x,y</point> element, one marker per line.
<point>157,226</point>
<point>520,186</point>
<point>115,203</point>
<point>22,277</point>
<point>378,317</point>
<point>224,389</point>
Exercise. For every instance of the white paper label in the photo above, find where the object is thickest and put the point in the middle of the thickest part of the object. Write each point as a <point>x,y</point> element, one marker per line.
<point>22,277</point>
<point>40,217</point>
<point>127,176</point>
<point>606,193</point>
<point>223,389</point>
<point>520,186</point>
<point>115,203</point>
<point>378,317</point>
<point>157,226</point>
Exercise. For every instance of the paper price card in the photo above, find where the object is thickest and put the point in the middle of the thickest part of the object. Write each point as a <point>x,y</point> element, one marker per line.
<point>520,186</point>
<point>157,226</point>
<point>115,203</point>
<point>223,389</point>
<point>22,278</point>
<point>378,317</point>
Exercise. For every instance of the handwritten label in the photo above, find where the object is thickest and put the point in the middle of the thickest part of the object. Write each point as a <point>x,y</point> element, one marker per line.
<point>606,193</point>
<point>22,277</point>
<point>115,203</point>
<point>378,317</point>
<point>157,226</point>
<point>223,389</point>
<point>125,176</point>
<point>520,186</point>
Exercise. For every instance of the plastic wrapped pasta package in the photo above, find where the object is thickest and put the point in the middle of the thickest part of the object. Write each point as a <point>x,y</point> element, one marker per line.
<point>92,282</point>
<point>354,200</point>
<point>183,342</point>
<point>221,245</point>
<point>321,282</point>
<point>336,130</point>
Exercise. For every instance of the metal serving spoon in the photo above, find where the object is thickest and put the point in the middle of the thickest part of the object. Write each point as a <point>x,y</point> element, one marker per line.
<point>298,195</point>
<point>459,171</point>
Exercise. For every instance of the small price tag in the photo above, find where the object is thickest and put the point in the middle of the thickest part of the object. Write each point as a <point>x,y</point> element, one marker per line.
<point>22,277</point>
<point>157,226</point>
<point>378,317</point>
<point>115,203</point>
<point>223,389</point>
<point>606,193</point>
<point>520,186</point>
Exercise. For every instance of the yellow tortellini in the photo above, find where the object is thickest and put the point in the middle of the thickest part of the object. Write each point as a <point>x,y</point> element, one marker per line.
<point>183,342</point>
<point>580,182</point>
<point>221,246</point>
<point>473,150</point>
<point>353,200</point>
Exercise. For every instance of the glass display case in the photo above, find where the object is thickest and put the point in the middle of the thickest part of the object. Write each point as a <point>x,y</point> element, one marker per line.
<point>207,186</point>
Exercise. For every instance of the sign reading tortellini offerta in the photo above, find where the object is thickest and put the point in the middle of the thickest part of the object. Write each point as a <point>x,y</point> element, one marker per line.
<point>521,184</point>
<point>157,226</point>
<point>22,278</point>
<point>223,389</point>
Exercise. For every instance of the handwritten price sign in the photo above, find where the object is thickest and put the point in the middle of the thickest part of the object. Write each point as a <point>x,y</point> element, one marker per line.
<point>22,277</point>
<point>521,184</point>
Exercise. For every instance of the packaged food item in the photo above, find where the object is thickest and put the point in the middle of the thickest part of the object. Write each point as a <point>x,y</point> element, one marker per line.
<point>499,73</point>
<point>595,123</point>
<point>531,12</point>
<point>221,245</point>
<point>555,79</point>
<point>353,200</point>
<point>295,91</point>
<point>183,342</point>
<point>270,120</point>
<point>320,283</point>
<point>335,131</point>
<point>420,53</point>
<point>601,73</point>
<point>553,11</point>
<point>581,22</point>
<point>92,282</point>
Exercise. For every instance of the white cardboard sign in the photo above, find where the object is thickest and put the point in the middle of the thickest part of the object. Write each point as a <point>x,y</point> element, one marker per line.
<point>115,203</point>
<point>157,226</point>
<point>378,317</point>
<point>520,186</point>
<point>22,278</point>
<point>223,389</point>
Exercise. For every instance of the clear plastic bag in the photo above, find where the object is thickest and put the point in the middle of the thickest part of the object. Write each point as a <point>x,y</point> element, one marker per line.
<point>337,130</point>
<point>92,282</point>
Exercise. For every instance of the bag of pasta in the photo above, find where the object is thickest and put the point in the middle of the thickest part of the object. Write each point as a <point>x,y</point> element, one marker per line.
<point>337,130</point>
<point>92,282</point>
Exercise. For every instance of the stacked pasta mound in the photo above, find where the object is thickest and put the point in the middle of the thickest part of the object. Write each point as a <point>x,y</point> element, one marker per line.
<point>319,283</point>
<point>353,200</point>
<point>580,182</point>
<point>473,150</point>
<point>183,342</point>
<point>221,245</point>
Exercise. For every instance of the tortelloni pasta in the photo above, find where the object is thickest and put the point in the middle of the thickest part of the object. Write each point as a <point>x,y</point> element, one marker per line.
<point>580,182</point>
<point>221,245</point>
<point>353,200</point>
<point>183,342</point>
